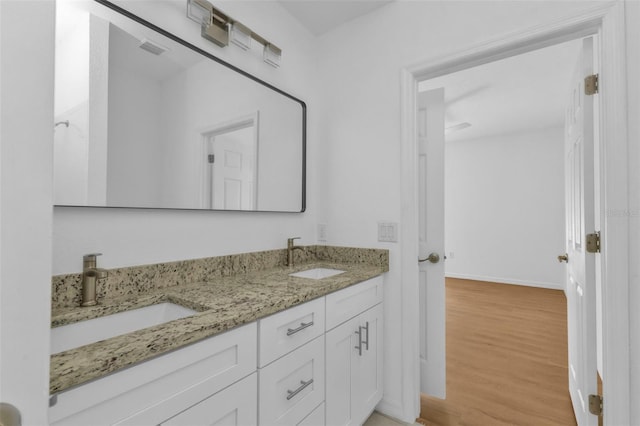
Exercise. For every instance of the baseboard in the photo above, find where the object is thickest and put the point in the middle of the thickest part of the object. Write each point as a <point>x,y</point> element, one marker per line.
<point>393,410</point>
<point>552,286</point>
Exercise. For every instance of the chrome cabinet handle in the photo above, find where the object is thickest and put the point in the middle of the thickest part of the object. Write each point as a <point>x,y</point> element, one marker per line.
<point>359,347</point>
<point>366,342</point>
<point>303,325</point>
<point>303,385</point>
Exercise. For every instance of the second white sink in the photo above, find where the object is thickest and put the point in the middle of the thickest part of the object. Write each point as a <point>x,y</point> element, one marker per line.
<point>85,332</point>
<point>317,273</point>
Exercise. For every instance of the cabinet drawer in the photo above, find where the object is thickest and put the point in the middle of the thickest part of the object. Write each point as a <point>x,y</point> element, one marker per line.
<point>155,390</point>
<point>316,418</point>
<point>235,406</point>
<point>349,302</point>
<point>287,330</point>
<point>292,386</point>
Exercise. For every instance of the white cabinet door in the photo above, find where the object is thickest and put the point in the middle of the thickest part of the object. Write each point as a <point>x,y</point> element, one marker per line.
<point>237,405</point>
<point>366,380</point>
<point>340,344</point>
<point>354,368</point>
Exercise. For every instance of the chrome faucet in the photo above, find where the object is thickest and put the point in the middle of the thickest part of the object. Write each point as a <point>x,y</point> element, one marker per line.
<point>90,274</point>
<point>290,249</point>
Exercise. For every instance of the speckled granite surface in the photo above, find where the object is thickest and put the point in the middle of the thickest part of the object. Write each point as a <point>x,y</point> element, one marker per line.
<point>223,300</point>
<point>137,280</point>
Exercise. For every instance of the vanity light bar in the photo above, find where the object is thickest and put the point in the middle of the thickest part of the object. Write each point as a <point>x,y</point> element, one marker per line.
<point>219,28</point>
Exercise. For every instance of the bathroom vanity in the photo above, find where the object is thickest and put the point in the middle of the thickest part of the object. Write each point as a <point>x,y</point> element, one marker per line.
<point>274,346</point>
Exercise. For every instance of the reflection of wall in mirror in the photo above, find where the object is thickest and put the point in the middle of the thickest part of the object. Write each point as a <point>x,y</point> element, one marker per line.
<point>134,154</point>
<point>81,99</point>
<point>192,104</point>
<point>71,142</point>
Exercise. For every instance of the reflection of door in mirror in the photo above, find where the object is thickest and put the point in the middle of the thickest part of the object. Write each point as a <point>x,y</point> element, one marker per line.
<point>230,174</point>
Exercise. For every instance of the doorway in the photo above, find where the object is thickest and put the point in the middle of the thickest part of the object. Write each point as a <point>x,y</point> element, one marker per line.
<point>607,21</point>
<point>504,193</point>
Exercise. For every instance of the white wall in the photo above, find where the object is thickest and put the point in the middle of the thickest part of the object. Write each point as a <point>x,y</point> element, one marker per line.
<point>191,98</point>
<point>71,144</point>
<point>26,153</point>
<point>360,66</point>
<point>504,208</point>
<point>132,237</point>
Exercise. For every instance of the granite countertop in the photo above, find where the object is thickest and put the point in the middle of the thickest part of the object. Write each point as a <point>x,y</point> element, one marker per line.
<point>222,304</point>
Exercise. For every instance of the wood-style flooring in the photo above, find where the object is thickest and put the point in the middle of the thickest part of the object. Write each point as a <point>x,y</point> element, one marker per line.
<point>506,358</point>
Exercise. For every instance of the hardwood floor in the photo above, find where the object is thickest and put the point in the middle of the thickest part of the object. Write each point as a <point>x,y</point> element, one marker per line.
<point>506,358</point>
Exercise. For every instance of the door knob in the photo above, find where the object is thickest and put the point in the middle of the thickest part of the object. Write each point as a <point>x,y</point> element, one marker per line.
<point>433,258</point>
<point>9,415</point>
<point>563,258</point>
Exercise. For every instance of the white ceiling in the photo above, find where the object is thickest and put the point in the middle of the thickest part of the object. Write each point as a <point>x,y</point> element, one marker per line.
<point>527,91</point>
<point>320,16</point>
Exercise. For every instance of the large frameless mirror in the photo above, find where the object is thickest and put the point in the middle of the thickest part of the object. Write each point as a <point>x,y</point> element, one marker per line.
<point>146,120</point>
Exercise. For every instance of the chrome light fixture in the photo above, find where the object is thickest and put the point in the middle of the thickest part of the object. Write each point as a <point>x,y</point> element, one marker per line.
<point>241,36</point>
<point>219,28</point>
<point>272,55</point>
<point>199,11</point>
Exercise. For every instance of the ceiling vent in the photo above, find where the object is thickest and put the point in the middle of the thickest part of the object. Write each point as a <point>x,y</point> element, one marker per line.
<point>456,127</point>
<point>152,47</point>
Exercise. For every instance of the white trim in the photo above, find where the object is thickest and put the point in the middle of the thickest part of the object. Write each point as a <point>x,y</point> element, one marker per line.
<point>609,21</point>
<point>614,181</point>
<point>524,283</point>
<point>409,252</point>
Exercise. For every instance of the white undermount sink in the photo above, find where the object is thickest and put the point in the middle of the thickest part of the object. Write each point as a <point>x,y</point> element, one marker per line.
<point>90,331</point>
<point>317,273</point>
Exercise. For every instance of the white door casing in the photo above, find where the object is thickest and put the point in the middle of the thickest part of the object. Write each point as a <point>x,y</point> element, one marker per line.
<point>580,213</point>
<point>430,134</point>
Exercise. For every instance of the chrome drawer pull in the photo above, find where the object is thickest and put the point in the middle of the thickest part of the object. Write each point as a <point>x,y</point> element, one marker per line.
<point>359,347</point>
<point>303,385</point>
<point>366,342</point>
<point>303,325</point>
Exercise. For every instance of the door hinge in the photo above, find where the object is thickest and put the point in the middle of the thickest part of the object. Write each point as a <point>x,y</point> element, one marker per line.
<point>593,242</point>
<point>211,158</point>
<point>595,404</point>
<point>591,85</point>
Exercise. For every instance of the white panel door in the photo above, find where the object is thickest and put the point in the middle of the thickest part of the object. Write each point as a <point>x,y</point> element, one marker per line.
<point>580,211</point>
<point>366,379</point>
<point>340,344</point>
<point>232,162</point>
<point>430,130</point>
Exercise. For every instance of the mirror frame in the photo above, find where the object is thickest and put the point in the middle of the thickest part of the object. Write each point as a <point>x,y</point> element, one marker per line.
<point>214,58</point>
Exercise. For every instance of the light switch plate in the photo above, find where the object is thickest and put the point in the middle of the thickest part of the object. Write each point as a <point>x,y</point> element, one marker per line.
<point>388,232</point>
